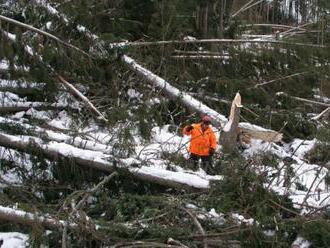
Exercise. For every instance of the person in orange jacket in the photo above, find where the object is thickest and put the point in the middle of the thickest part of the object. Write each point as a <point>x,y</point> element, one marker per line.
<point>202,143</point>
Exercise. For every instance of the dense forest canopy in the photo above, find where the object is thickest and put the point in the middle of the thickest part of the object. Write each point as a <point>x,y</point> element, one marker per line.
<point>92,153</point>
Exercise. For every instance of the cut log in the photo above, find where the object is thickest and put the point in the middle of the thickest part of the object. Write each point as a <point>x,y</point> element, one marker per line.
<point>106,163</point>
<point>230,132</point>
<point>194,105</point>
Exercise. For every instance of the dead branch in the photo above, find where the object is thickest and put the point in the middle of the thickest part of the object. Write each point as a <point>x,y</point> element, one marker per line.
<point>197,224</point>
<point>246,7</point>
<point>279,79</point>
<point>304,100</point>
<point>94,190</point>
<point>84,99</point>
<point>325,113</point>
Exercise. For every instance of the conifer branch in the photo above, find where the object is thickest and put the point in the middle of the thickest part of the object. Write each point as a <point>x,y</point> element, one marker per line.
<point>44,33</point>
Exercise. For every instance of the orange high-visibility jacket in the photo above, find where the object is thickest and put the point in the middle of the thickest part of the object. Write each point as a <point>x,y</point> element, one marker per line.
<point>201,142</point>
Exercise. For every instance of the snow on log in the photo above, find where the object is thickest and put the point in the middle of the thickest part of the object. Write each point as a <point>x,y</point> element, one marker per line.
<point>59,137</point>
<point>27,218</point>
<point>194,105</point>
<point>104,162</point>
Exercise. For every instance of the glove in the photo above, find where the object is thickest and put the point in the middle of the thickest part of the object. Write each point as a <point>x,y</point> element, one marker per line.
<point>189,128</point>
<point>211,151</point>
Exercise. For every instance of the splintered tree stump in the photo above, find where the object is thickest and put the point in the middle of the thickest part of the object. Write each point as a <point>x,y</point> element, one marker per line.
<point>228,137</point>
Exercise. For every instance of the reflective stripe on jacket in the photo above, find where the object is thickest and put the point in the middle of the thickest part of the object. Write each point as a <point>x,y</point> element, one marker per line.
<point>201,142</point>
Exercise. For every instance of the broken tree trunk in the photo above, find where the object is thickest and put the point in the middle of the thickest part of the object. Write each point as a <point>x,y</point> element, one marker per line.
<point>194,105</point>
<point>229,135</point>
<point>104,162</point>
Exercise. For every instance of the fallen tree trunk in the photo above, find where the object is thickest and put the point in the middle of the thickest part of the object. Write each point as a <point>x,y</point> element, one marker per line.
<point>24,106</point>
<point>27,218</point>
<point>209,41</point>
<point>194,105</point>
<point>59,137</point>
<point>104,162</point>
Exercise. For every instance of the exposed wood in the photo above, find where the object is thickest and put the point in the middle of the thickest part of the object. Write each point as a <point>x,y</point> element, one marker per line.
<point>106,163</point>
<point>194,105</point>
<point>230,132</point>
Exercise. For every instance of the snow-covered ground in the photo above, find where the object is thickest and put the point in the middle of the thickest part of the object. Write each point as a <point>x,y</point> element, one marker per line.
<point>13,240</point>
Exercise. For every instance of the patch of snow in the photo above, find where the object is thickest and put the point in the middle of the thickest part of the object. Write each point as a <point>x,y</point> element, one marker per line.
<point>241,219</point>
<point>14,240</point>
<point>300,242</point>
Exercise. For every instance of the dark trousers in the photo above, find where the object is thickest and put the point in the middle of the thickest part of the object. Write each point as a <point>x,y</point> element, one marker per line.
<point>206,162</point>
